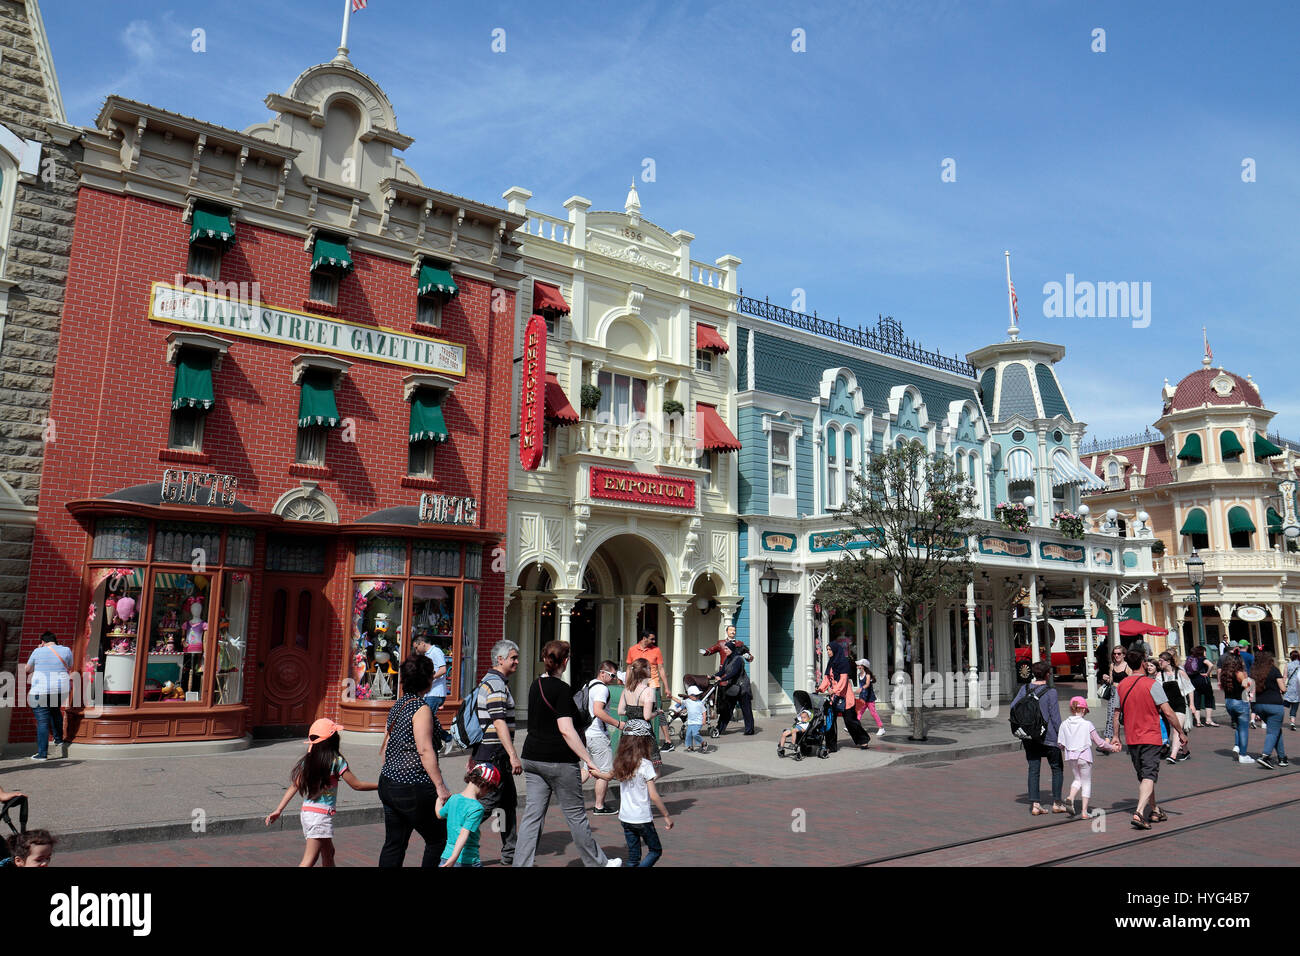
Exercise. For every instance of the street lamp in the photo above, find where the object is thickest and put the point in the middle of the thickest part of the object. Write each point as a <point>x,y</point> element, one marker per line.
<point>769,583</point>
<point>1196,575</point>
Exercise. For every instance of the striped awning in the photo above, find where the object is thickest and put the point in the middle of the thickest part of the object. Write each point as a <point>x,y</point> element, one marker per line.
<point>1067,472</point>
<point>1020,465</point>
<point>166,579</point>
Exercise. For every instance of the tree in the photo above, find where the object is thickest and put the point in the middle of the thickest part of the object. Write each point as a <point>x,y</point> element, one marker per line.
<point>909,521</point>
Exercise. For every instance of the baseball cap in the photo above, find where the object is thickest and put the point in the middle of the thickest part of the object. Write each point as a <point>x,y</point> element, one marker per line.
<point>490,774</point>
<point>1077,701</point>
<point>322,729</point>
<point>1243,643</point>
<point>692,690</point>
<point>863,662</point>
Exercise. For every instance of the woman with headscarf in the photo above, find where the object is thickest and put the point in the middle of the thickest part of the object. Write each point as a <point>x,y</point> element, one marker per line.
<point>838,682</point>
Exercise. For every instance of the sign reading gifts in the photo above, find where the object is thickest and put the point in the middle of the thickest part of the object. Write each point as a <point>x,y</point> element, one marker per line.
<point>532,398</point>
<point>448,509</point>
<point>215,313</point>
<point>198,487</point>
<point>644,489</point>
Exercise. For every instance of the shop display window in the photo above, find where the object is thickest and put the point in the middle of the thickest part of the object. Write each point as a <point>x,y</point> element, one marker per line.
<point>376,639</point>
<point>178,636</point>
<point>232,638</point>
<point>113,633</point>
<point>468,636</point>
<point>433,617</point>
<point>435,560</point>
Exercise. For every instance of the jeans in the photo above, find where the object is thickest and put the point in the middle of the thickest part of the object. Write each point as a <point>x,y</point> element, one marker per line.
<point>693,736</point>
<point>634,833</point>
<point>1240,713</point>
<point>506,799</point>
<point>440,736</point>
<point>1294,706</point>
<point>1034,753</point>
<point>47,719</point>
<point>407,807</point>
<point>1272,717</point>
<point>564,780</point>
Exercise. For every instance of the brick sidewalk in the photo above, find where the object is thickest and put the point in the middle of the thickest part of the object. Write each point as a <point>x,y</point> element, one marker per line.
<point>832,819</point>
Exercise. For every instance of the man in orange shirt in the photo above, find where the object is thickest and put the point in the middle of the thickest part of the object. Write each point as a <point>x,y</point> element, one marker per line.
<point>648,649</point>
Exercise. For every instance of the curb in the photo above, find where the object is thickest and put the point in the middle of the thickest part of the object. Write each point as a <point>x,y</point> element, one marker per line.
<point>979,750</point>
<point>75,840</point>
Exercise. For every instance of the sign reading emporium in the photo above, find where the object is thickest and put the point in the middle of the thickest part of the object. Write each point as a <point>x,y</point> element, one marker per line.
<point>644,489</point>
<point>215,313</point>
<point>532,398</point>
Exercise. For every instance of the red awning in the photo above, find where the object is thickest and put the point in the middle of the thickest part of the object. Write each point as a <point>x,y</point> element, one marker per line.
<point>558,408</point>
<point>707,337</point>
<point>711,432</point>
<point>548,297</point>
<point>1134,628</point>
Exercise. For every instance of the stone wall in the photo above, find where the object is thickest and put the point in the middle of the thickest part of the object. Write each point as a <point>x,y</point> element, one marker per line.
<point>39,241</point>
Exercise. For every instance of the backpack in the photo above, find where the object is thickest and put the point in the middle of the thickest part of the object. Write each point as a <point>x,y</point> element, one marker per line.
<point>1027,721</point>
<point>582,703</point>
<point>466,729</point>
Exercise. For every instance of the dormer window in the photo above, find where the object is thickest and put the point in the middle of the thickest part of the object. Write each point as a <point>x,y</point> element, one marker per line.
<point>435,289</point>
<point>212,231</point>
<point>330,262</point>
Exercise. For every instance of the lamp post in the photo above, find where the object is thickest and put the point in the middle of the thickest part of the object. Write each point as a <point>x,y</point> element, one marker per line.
<point>769,583</point>
<point>1196,575</point>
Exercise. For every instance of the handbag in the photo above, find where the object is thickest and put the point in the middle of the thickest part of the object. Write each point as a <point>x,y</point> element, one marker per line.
<point>1105,691</point>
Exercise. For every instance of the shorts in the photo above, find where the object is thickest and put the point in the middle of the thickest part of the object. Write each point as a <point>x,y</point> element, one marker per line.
<point>1146,760</point>
<point>317,826</point>
<point>602,755</point>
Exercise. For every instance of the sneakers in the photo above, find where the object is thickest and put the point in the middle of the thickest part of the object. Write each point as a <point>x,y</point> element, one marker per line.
<point>1184,756</point>
<point>1246,759</point>
<point>668,747</point>
<point>1171,760</point>
<point>1284,762</point>
<point>880,732</point>
<point>603,811</point>
<point>1262,762</point>
<point>614,861</point>
<point>1235,750</point>
<point>37,757</point>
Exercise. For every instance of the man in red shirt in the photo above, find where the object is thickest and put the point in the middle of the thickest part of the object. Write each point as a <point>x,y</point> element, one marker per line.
<point>1142,701</point>
<point>648,648</point>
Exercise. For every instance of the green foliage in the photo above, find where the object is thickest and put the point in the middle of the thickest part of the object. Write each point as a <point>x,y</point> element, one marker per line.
<point>590,396</point>
<point>673,407</point>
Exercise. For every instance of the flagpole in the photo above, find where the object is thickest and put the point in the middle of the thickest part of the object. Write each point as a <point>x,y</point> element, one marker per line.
<point>343,42</point>
<point>1012,330</point>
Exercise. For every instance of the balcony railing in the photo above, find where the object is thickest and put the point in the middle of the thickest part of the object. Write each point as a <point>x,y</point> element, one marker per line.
<point>547,227</point>
<point>1217,562</point>
<point>1098,445</point>
<point>887,337</point>
<point>638,440</point>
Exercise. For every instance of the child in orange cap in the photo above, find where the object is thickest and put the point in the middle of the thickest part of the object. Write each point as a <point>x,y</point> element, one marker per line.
<point>316,776</point>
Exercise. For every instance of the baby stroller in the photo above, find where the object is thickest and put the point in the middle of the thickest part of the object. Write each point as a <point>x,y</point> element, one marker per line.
<point>676,712</point>
<point>813,740</point>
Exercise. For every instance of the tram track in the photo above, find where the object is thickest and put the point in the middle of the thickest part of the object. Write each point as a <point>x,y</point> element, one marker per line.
<point>1164,831</point>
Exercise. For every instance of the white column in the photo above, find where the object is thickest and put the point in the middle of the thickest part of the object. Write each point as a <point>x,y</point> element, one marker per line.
<point>676,665</point>
<point>1114,614</point>
<point>898,704</point>
<point>1033,618</point>
<point>565,599</point>
<point>1090,662</point>
<point>973,674</point>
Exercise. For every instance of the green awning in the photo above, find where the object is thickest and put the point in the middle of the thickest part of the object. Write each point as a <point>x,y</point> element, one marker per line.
<point>1239,520</point>
<point>329,253</point>
<point>1265,448</point>
<point>1195,523</point>
<point>1191,450</point>
<point>426,417</point>
<point>433,279</point>
<point>211,225</point>
<point>316,405</point>
<point>1229,445</point>
<point>1274,521</point>
<point>193,385</point>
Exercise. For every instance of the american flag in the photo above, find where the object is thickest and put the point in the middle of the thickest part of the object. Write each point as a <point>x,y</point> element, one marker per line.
<point>1015,302</point>
<point>1209,353</point>
<point>358,5</point>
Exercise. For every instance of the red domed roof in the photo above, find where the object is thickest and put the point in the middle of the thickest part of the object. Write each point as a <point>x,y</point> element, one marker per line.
<point>1199,389</point>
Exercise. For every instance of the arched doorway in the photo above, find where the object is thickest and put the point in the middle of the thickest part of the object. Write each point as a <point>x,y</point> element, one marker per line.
<point>623,585</point>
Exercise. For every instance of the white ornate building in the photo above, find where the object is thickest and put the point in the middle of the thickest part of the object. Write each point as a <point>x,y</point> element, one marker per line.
<point>627,523</point>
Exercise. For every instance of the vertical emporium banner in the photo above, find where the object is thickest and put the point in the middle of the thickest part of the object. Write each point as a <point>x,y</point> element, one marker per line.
<point>532,404</point>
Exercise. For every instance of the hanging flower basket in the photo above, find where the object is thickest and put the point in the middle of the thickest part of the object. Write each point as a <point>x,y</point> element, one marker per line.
<point>1014,517</point>
<point>1069,524</point>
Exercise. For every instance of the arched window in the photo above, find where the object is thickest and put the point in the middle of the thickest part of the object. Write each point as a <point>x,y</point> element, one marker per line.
<point>1240,527</point>
<point>832,467</point>
<point>850,462</point>
<point>1113,477</point>
<point>1197,528</point>
<point>1020,474</point>
<point>977,480</point>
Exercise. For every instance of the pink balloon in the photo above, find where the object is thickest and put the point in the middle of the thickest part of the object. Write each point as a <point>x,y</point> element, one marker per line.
<point>126,608</point>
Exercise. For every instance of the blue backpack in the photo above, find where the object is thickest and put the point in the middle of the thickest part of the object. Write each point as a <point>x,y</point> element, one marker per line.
<point>466,729</point>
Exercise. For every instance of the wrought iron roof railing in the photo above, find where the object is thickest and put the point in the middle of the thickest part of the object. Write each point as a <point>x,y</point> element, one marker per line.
<point>887,337</point>
<point>1097,445</point>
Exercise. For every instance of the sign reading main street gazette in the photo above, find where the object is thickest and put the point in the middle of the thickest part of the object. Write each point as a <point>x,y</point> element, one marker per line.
<point>215,313</point>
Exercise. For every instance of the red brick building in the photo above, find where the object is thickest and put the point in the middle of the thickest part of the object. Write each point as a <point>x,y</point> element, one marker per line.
<point>281,411</point>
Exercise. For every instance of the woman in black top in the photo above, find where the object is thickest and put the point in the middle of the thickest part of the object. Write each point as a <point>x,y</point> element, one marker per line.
<point>1269,687</point>
<point>410,783</point>
<point>1118,671</point>
<point>551,754</point>
<point>1198,668</point>
<point>1176,691</point>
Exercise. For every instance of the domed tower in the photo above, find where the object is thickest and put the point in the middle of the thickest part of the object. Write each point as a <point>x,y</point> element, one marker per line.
<point>1036,436</point>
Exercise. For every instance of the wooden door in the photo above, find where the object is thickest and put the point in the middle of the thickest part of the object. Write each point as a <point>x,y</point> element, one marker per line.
<point>291,660</point>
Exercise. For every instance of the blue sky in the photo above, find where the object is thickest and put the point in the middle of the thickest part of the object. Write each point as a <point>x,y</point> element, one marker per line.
<point>822,169</point>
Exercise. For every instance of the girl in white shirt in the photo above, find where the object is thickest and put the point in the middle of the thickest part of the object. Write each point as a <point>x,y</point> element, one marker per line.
<point>636,776</point>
